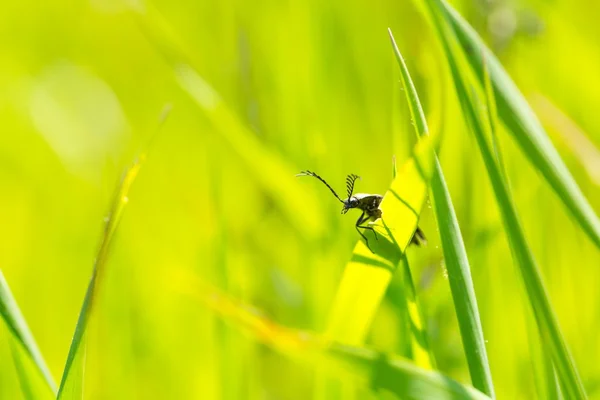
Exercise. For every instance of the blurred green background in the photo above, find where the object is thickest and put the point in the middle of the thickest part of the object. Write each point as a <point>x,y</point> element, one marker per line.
<point>295,85</point>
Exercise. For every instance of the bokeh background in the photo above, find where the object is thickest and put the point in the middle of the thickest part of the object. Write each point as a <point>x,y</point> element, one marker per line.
<point>259,91</point>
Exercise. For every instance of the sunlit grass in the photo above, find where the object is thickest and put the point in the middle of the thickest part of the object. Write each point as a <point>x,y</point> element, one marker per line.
<point>455,255</point>
<point>550,332</point>
<point>229,277</point>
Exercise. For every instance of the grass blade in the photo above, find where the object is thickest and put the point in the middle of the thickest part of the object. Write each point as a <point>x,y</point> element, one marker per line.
<point>420,349</point>
<point>522,122</point>
<point>570,134</point>
<point>546,319</point>
<point>546,384</point>
<point>32,383</point>
<point>71,385</point>
<point>399,376</point>
<point>363,366</point>
<point>455,254</point>
<point>11,314</point>
<point>414,336</point>
<point>368,274</point>
<point>269,170</point>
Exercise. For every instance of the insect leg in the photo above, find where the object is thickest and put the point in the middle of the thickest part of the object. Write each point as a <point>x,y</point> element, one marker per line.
<point>359,221</point>
<point>370,214</point>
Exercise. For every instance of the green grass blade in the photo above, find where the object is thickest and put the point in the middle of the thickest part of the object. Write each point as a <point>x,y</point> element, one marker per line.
<point>492,117</point>
<point>518,116</point>
<point>270,171</point>
<point>420,348</point>
<point>33,384</point>
<point>11,314</point>
<point>455,254</point>
<point>360,365</point>
<point>546,319</point>
<point>414,335</point>
<point>571,135</point>
<point>546,384</point>
<point>71,384</point>
<point>368,274</point>
<point>399,376</point>
<point>543,368</point>
<point>25,380</point>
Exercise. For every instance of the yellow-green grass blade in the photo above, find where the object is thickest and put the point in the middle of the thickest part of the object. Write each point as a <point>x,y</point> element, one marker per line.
<point>399,376</point>
<point>363,366</point>
<point>269,170</point>
<point>546,320</point>
<point>420,348</point>
<point>492,116</point>
<point>518,116</point>
<point>414,335</point>
<point>570,134</point>
<point>17,326</point>
<point>32,383</point>
<point>543,368</point>
<point>28,388</point>
<point>455,254</point>
<point>71,385</point>
<point>367,274</point>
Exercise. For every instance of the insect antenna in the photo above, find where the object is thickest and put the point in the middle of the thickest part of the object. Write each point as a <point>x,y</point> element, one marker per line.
<point>350,179</point>
<point>309,173</point>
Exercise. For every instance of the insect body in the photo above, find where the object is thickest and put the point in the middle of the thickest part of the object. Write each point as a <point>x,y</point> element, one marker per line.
<point>367,203</point>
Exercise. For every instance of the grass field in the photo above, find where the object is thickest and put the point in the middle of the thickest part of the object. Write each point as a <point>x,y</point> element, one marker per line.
<point>156,243</point>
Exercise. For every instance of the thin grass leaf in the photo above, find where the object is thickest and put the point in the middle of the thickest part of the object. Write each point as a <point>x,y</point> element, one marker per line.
<point>32,383</point>
<point>573,137</point>
<point>367,275</point>
<point>363,366</point>
<point>24,380</point>
<point>421,352</point>
<point>455,254</point>
<point>492,116</point>
<point>71,385</point>
<point>546,384</point>
<point>397,297</point>
<point>271,172</point>
<point>11,314</point>
<point>523,124</point>
<point>538,298</point>
<point>542,365</point>
<point>401,377</point>
<point>414,336</point>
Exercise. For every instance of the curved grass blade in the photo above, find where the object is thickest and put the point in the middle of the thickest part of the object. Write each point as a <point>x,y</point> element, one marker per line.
<point>523,123</point>
<point>492,117</point>
<point>32,387</point>
<point>368,274</point>
<point>547,322</point>
<point>71,384</point>
<point>25,380</point>
<point>271,172</point>
<point>11,314</point>
<point>362,366</point>
<point>546,383</point>
<point>421,352</point>
<point>455,254</point>
<point>399,376</point>
<point>584,151</point>
<point>414,336</point>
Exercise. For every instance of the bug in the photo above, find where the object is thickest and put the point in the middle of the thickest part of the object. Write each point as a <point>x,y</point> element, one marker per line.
<point>367,203</point>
